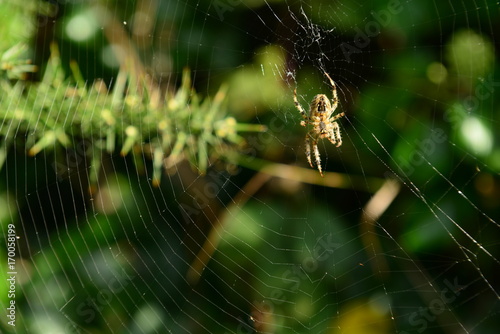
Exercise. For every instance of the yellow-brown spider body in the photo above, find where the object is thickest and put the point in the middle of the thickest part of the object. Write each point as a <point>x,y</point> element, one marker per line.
<point>324,125</point>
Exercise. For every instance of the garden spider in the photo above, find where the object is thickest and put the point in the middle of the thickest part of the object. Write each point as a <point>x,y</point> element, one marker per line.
<point>324,125</point>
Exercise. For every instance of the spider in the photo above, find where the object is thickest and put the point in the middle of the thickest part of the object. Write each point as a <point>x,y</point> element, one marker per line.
<point>324,124</point>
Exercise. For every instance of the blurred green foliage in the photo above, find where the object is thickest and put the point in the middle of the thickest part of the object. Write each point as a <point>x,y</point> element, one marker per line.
<point>422,106</point>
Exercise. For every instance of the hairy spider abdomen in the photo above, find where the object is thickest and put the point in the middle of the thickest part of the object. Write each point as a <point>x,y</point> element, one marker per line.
<point>320,104</point>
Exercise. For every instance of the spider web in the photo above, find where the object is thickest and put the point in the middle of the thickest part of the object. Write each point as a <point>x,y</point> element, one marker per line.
<point>400,236</point>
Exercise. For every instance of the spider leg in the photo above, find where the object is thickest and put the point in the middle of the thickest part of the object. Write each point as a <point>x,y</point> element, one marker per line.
<point>316,156</point>
<point>308,149</point>
<point>332,137</point>
<point>336,133</point>
<point>300,109</point>
<point>336,117</point>
<point>334,130</point>
<point>335,99</point>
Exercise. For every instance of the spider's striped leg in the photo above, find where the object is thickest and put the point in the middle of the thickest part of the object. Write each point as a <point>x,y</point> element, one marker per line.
<point>336,117</point>
<point>336,133</point>
<point>331,135</point>
<point>300,109</point>
<point>308,149</point>
<point>332,139</point>
<point>335,99</point>
<point>316,156</point>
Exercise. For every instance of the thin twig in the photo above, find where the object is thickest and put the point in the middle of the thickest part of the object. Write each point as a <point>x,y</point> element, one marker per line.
<point>216,233</point>
<point>372,211</point>
<point>307,175</point>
